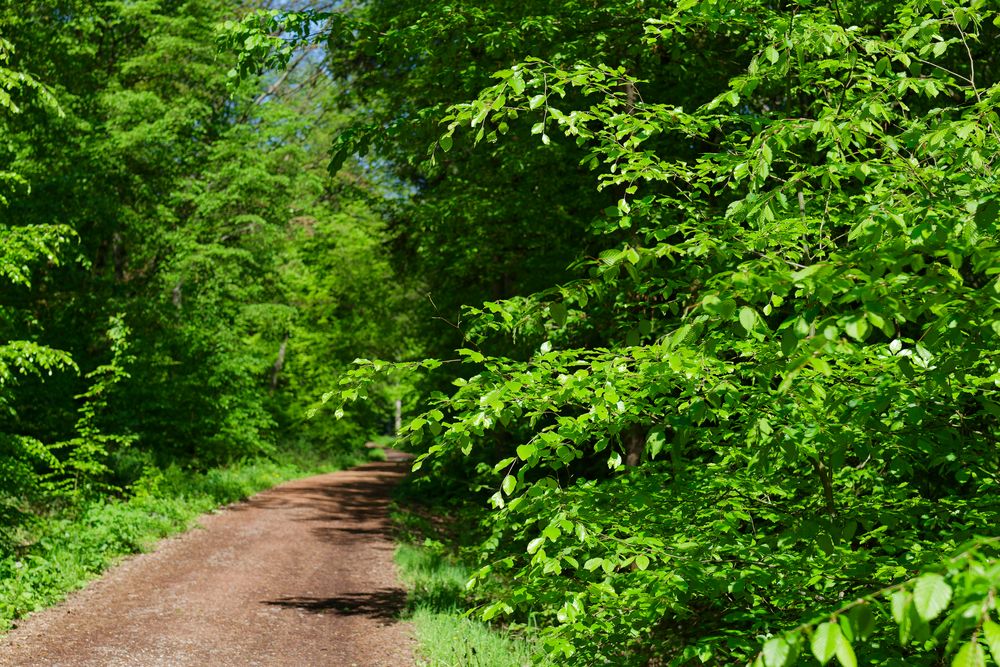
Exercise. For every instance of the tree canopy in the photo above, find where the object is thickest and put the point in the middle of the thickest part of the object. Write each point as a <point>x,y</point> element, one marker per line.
<point>692,305</point>
<point>181,278</point>
<point>728,342</point>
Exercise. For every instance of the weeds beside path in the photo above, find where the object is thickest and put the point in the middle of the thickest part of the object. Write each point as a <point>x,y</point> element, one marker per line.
<point>435,606</point>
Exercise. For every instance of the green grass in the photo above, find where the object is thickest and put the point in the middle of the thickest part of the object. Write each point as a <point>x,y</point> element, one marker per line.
<point>435,605</point>
<point>64,550</point>
<point>384,440</point>
<point>376,454</point>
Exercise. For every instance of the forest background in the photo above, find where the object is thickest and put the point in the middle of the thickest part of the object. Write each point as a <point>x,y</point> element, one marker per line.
<point>697,299</point>
<point>181,280</point>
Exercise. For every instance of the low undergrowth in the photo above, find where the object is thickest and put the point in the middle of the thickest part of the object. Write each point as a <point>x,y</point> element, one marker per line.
<point>431,564</point>
<point>60,550</point>
<point>436,604</point>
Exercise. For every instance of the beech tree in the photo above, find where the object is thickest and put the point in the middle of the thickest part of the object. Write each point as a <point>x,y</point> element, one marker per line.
<point>20,248</point>
<point>784,314</point>
<point>164,241</point>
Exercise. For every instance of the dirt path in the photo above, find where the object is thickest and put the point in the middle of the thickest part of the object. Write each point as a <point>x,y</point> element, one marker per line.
<point>299,575</point>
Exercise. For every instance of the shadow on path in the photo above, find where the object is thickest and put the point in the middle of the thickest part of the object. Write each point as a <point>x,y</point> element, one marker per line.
<point>384,604</point>
<point>315,552</point>
<point>340,511</point>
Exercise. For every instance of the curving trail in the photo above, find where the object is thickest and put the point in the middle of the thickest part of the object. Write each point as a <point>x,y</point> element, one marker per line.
<point>300,575</point>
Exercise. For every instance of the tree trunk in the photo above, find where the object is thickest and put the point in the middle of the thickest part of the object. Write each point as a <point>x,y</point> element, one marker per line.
<point>177,295</point>
<point>634,440</point>
<point>279,363</point>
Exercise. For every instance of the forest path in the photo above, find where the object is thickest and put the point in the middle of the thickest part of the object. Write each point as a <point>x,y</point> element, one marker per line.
<point>298,575</point>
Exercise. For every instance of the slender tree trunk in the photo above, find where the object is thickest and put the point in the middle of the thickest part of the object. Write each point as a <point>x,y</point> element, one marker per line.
<point>634,440</point>
<point>279,363</point>
<point>177,295</point>
<point>826,481</point>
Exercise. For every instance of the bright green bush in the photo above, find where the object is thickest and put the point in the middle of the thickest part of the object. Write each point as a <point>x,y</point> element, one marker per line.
<point>758,423</point>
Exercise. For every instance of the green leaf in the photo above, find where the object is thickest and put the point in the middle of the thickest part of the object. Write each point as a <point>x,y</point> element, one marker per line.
<point>642,561</point>
<point>857,328</point>
<point>473,356</point>
<point>776,652</point>
<point>503,463</point>
<point>536,101</point>
<point>970,655</point>
<point>987,213</point>
<point>535,544</point>
<point>748,317</point>
<point>446,142</point>
<point>913,627</point>
<point>525,452</point>
<point>517,83</point>
<point>845,653</point>
<point>863,620</point>
<point>716,306</point>
<point>509,484</point>
<point>788,342</point>
<point>825,640</point>
<point>991,633</point>
<point>825,542</point>
<point>558,312</point>
<point>802,274</point>
<point>846,627</point>
<point>931,596</point>
<point>655,441</point>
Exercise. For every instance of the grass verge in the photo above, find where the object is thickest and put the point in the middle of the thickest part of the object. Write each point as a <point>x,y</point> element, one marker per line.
<point>435,604</point>
<point>68,548</point>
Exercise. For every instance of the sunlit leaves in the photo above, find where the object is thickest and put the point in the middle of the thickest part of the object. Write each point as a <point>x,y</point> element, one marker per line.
<point>931,595</point>
<point>824,642</point>
<point>777,652</point>
<point>525,452</point>
<point>991,634</point>
<point>783,365</point>
<point>845,653</point>
<point>971,654</point>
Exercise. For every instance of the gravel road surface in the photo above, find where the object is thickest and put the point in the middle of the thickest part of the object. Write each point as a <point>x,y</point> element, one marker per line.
<point>299,575</point>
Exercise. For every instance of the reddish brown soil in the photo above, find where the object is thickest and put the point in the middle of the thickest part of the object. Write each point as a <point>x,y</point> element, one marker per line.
<point>298,575</point>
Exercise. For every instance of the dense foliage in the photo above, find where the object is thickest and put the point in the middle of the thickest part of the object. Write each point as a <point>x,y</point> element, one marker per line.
<point>729,351</point>
<point>722,278</point>
<point>180,279</point>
